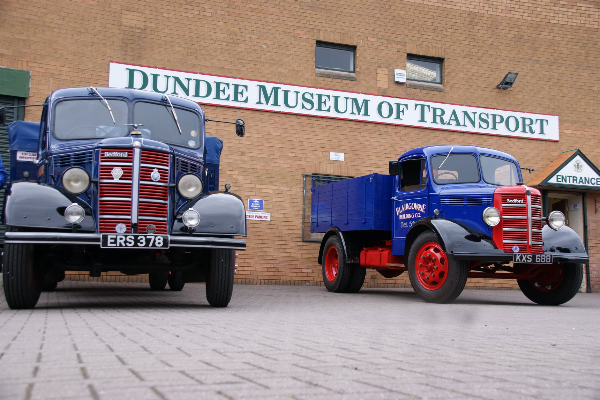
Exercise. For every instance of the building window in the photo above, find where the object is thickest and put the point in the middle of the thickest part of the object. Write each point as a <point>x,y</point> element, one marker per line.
<point>311,181</point>
<point>335,57</point>
<point>424,69</point>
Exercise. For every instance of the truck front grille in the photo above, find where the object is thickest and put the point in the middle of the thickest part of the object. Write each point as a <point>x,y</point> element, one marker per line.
<point>128,197</point>
<point>521,223</point>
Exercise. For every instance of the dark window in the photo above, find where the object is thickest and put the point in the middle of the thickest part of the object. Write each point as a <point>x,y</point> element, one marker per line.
<point>454,168</point>
<point>335,57</point>
<point>413,175</point>
<point>159,124</point>
<point>424,69</point>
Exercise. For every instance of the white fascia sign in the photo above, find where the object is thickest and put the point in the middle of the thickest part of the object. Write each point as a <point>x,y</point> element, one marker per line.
<point>317,102</point>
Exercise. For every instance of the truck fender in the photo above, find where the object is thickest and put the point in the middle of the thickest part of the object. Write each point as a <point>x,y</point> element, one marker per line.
<point>350,243</point>
<point>454,236</point>
<point>37,205</point>
<point>564,240</point>
<point>221,213</point>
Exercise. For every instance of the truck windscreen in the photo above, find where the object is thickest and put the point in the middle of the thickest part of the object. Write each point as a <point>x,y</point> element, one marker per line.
<point>89,119</point>
<point>498,171</point>
<point>159,124</point>
<point>454,168</point>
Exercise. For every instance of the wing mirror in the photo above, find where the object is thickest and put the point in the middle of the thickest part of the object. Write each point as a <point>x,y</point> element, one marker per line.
<point>394,168</point>
<point>240,128</point>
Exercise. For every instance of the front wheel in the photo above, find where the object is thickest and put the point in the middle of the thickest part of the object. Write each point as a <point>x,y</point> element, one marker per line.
<point>21,278</point>
<point>555,284</point>
<point>176,282</point>
<point>436,277</point>
<point>219,279</point>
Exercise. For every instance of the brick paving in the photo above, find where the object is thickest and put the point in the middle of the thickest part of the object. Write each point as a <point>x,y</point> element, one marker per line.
<point>122,341</point>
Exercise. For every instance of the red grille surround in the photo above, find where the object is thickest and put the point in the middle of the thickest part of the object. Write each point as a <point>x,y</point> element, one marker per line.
<point>116,195</point>
<point>521,222</point>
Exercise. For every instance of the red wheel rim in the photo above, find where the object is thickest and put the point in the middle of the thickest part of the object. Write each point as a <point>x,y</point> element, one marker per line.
<point>332,263</point>
<point>549,278</point>
<point>431,266</point>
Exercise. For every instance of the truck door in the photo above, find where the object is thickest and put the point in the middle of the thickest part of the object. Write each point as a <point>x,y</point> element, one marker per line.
<point>410,200</point>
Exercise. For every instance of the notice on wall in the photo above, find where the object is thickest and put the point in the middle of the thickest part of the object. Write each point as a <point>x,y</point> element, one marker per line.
<point>317,102</point>
<point>256,204</point>
<point>261,216</point>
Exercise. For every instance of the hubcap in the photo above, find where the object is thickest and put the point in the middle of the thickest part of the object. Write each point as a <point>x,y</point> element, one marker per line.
<point>549,278</point>
<point>332,263</point>
<point>431,266</point>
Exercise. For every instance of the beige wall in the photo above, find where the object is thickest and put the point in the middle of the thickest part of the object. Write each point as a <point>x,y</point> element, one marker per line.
<point>552,45</point>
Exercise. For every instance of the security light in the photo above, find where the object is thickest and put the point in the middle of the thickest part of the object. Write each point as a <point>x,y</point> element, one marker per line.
<point>508,81</point>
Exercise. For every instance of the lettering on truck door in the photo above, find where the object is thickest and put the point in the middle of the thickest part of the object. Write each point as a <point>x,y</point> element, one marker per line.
<point>410,198</point>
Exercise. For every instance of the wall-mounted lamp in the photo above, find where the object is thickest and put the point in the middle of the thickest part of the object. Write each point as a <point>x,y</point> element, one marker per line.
<point>508,81</point>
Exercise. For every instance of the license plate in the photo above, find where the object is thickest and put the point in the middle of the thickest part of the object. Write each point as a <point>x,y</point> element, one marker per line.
<point>532,258</point>
<point>134,241</point>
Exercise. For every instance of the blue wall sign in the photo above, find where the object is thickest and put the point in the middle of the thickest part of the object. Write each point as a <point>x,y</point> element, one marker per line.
<point>256,204</point>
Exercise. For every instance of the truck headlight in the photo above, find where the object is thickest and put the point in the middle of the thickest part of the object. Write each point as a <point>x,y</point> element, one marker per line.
<point>556,220</point>
<point>189,186</point>
<point>76,180</point>
<point>74,214</point>
<point>191,218</point>
<point>491,216</point>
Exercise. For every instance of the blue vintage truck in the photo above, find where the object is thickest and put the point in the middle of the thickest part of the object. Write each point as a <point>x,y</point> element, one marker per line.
<point>446,213</point>
<point>118,180</point>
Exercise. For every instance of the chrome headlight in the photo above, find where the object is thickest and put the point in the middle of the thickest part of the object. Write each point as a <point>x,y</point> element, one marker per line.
<point>189,186</point>
<point>556,220</point>
<point>491,216</point>
<point>74,214</point>
<point>76,180</point>
<point>191,218</point>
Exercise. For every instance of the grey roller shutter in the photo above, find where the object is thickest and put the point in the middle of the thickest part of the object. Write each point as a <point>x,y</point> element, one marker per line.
<point>12,114</point>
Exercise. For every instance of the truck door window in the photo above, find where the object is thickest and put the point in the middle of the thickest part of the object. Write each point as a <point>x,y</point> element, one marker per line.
<point>498,171</point>
<point>412,175</point>
<point>455,168</point>
<point>89,119</point>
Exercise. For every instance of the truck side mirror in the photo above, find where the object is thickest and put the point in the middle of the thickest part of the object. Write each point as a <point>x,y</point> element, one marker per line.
<point>394,168</point>
<point>2,116</point>
<point>240,128</point>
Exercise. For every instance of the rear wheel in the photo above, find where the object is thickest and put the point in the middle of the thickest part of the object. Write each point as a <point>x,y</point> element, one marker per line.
<point>219,279</point>
<point>436,277</point>
<point>22,279</point>
<point>336,271</point>
<point>176,282</point>
<point>554,285</point>
<point>158,280</point>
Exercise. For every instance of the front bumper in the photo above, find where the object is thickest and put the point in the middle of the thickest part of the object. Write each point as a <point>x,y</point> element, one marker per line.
<point>500,256</point>
<point>93,239</point>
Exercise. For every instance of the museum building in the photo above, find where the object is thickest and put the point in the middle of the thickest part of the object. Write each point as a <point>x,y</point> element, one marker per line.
<point>330,90</point>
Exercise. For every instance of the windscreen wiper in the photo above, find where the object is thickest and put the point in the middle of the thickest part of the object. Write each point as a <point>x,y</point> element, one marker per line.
<point>440,167</point>
<point>173,111</point>
<point>93,89</point>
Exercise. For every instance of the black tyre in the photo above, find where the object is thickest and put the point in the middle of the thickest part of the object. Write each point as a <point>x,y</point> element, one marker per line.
<point>176,282</point>
<point>158,280</point>
<point>554,285</point>
<point>436,277</point>
<point>357,278</point>
<point>219,277</point>
<point>22,279</point>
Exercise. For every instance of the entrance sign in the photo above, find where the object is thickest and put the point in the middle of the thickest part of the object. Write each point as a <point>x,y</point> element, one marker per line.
<point>317,102</point>
<point>577,172</point>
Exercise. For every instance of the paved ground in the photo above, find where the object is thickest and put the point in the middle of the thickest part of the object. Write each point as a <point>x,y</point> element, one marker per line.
<point>122,341</point>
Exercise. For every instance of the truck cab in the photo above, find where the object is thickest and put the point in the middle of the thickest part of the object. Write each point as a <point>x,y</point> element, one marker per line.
<point>446,213</point>
<point>119,180</point>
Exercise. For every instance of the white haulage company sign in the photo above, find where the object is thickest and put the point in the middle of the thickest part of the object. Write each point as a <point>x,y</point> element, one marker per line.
<point>316,102</point>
